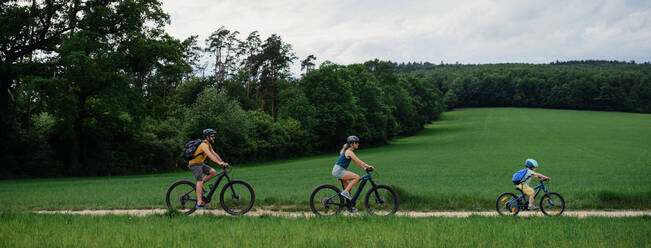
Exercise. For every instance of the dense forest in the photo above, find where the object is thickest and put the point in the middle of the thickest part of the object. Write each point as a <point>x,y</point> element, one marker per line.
<point>589,85</point>
<point>99,88</point>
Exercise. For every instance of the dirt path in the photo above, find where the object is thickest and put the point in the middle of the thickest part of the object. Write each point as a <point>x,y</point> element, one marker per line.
<point>461,214</point>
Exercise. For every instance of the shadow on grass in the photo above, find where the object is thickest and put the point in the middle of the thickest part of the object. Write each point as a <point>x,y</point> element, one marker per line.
<point>442,202</point>
<point>611,199</point>
<point>407,198</point>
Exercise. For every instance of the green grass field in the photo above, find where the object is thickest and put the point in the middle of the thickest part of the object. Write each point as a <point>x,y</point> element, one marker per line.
<point>597,160</point>
<point>32,230</point>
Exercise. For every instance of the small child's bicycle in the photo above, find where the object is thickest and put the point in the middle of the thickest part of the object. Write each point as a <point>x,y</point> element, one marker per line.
<point>551,203</point>
<point>380,199</point>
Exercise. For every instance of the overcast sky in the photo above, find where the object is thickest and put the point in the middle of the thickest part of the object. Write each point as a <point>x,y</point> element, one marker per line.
<point>472,31</point>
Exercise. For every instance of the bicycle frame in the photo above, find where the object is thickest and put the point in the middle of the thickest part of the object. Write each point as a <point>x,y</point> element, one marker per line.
<point>365,179</point>
<point>219,176</point>
<point>538,188</point>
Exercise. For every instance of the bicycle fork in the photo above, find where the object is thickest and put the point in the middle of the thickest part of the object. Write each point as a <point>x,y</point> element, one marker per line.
<point>378,199</point>
<point>546,196</point>
<point>234,195</point>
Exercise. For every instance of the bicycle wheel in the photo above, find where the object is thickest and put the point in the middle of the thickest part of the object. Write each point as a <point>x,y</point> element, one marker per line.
<point>381,200</point>
<point>552,204</point>
<point>325,200</point>
<point>182,197</point>
<point>237,197</point>
<point>504,203</point>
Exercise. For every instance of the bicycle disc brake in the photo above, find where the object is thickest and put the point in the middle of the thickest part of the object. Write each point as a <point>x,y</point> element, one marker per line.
<point>183,199</point>
<point>325,202</point>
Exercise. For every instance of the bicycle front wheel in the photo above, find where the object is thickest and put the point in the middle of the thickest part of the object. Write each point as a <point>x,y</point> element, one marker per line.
<point>182,197</point>
<point>325,200</point>
<point>552,204</point>
<point>507,205</point>
<point>381,200</point>
<point>237,197</point>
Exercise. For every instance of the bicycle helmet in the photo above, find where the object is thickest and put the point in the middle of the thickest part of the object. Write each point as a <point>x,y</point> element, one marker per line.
<point>208,132</point>
<point>352,139</point>
<point>530,163</point>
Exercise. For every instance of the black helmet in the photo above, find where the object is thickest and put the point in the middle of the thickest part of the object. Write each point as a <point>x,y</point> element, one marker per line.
<point>208,132</point>
<point>352,139</point>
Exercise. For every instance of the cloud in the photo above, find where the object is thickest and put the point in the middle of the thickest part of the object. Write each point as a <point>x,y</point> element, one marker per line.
<point>481,31</point>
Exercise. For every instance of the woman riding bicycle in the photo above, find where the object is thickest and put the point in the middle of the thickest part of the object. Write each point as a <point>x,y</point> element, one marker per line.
<point>347,178</point>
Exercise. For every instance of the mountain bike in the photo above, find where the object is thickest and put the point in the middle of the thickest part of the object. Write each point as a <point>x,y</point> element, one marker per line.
<point>551,203</point>
<point>236,197</point>
<point>380,199</point>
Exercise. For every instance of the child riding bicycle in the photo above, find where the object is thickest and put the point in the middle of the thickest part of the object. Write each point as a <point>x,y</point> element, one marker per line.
<point>522,178</point>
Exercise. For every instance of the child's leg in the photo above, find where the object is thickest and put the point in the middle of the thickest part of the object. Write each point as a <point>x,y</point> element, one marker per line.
<point>531,200</point>
<point>529,191</point>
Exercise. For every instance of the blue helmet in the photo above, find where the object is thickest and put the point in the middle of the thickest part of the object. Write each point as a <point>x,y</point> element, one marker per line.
<point>530,163</point>
<point>352,139</point>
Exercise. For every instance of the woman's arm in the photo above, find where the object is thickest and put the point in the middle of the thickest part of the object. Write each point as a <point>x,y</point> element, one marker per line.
<point>357,161</point>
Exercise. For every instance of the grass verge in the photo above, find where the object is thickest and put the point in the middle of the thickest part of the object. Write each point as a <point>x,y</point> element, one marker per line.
<point>174,230</point>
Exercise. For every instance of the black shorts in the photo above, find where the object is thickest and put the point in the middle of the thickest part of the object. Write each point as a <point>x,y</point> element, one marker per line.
<point>199,169</point>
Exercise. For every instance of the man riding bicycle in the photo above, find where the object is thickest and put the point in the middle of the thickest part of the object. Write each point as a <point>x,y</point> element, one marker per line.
<point>198,167</point>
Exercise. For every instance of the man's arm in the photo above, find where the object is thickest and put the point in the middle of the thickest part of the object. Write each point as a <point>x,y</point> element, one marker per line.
<point>214,157</point>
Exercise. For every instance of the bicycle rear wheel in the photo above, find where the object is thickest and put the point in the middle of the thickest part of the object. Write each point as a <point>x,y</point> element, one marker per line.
<point>505,204</point>
<point>325,200</point>
<point>182,197</point>
<point>381,200</point>
<point>552,204</point>
<point>237,197</point>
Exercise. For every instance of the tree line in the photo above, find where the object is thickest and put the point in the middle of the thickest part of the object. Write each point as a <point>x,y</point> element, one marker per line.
<point>585,85</point>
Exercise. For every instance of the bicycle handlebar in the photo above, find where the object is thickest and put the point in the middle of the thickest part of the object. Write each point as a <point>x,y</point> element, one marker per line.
<point>227,169</point>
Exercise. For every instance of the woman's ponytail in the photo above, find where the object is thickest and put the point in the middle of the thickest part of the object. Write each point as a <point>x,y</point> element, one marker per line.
<point>344,148</point>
